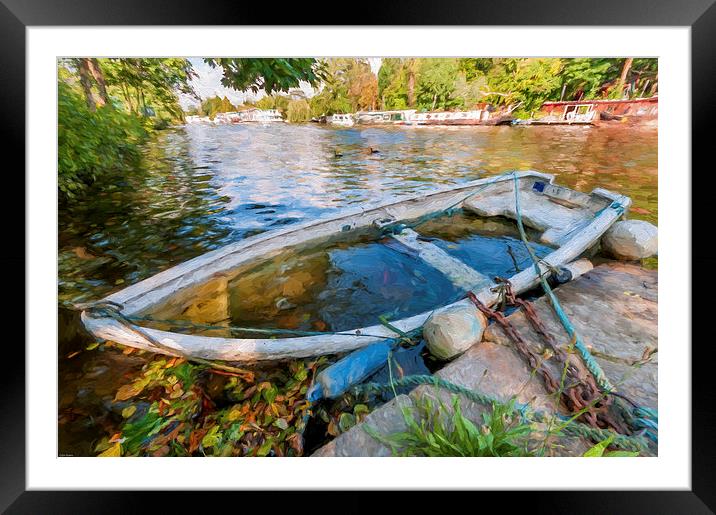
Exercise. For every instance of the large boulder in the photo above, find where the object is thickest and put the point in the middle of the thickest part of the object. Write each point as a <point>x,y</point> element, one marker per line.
<point>452,330</point>
<point>631,240</point>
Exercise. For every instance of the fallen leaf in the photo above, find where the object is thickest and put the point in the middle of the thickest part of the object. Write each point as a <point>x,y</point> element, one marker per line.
<point>129,411</point>
<point>82,253</point>
<point>116,437</point>
<point>640,211</point>
<point>234,414</point>
<point>296,443</point>
<point>127,392</point>
<point>114,451</point>
<point>195,439</point>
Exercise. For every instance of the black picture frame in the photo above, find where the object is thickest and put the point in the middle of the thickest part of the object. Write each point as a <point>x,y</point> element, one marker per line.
<point>699,15</point>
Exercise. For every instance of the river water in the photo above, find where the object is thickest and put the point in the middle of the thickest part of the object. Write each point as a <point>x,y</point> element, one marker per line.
<point>200,187</point>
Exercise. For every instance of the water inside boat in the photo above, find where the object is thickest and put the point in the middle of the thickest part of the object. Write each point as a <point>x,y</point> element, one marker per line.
<point>340,286</point>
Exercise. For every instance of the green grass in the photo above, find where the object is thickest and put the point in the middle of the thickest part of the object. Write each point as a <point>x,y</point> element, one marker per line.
<point>435,430</point>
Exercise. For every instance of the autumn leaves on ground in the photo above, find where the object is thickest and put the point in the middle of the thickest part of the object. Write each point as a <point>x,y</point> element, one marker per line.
<point>175,408</point>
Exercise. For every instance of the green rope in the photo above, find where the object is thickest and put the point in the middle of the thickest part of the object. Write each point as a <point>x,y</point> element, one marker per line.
<point>192,325</point>
<point>416,380</point>
<point>586,356</point>
<point>450,210</point>
<point>630,443</point>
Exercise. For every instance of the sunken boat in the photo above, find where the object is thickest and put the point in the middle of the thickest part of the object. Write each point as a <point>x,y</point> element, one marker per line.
<point>251,300</point>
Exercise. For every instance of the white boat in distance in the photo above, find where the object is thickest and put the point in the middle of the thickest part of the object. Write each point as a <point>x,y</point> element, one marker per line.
<point>345,120</point>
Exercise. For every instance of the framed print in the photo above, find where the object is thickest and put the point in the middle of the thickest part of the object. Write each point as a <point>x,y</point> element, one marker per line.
<point>258,254</point>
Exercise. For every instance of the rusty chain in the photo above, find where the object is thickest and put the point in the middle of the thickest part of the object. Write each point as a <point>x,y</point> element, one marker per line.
<point>579,391</point>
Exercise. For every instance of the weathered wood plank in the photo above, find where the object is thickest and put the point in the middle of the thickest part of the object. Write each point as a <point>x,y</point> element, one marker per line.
<point>456,271</point>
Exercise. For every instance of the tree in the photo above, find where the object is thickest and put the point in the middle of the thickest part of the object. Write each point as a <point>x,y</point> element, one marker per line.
<point>149,82</point>
<point>475,67</point>
<point>83,68</point>
<point>267,102</point>
<point>411,70</point>
<point>524,83</point>
<point>227,106</point>
<point>213,105</point>
<point>349,85</point>
<point>393,84</point>
<point>271,75</point>
<point>298,111</point>
<point>436,83</point>
<point>96,71</point>
<point>625,71</point>
<point>585,77</point>
<point>467,93</point>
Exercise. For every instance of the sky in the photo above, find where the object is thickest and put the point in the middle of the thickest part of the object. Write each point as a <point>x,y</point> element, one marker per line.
<point>208,84</point>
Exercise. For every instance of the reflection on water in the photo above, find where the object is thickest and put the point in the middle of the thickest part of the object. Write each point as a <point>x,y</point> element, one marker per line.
<point>201,187</point>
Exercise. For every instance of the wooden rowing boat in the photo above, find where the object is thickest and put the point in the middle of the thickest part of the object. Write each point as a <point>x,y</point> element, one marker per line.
<point>572,222</point>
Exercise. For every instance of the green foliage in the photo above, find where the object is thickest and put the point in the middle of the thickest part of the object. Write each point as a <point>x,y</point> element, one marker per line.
<point>149,84</point>
<point>214,105</point>
<point>436,84</point>
<point>268,74</point>
<point>267,102</point>
<point>167,411</point>
<point>600,450</point>
<point>526,83</point>
<point>584,77</point>
<point>393,79</point>
<point>349,86</point>
<point>91,143</point>
<point>435,430</point>
<point>139,95</point>
<point>298,111</point>
<point>467,93</point>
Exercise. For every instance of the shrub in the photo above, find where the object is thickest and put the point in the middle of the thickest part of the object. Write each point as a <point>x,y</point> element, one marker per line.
<point>91,143</point>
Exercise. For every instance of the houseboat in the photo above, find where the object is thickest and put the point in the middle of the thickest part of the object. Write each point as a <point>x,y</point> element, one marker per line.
<point>473,117</point>
<point>345,120</point>
<point>401,117</point>
<point>594,111</point>
<point>195,119</point>
<point>227,118</point>
<point>260,116</point>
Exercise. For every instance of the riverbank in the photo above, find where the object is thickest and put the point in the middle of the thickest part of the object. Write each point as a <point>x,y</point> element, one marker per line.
<point>613,308</point>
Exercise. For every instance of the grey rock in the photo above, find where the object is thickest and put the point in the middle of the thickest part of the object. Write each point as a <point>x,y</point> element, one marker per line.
<point>631,240</point>
<point>451,331</point>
